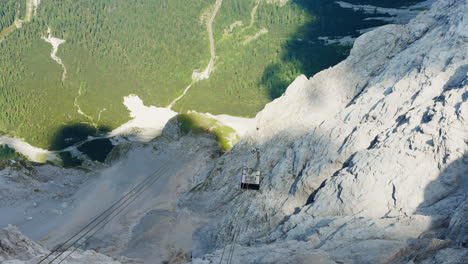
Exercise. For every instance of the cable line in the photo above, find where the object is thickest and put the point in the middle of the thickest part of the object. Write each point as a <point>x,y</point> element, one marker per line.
<point>110,219</point>
<point>233,244</point>
<point>138,189</point>
<point>236,229</point>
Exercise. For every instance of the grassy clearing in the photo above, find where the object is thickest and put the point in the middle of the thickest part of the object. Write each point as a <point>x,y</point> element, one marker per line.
<point>198,123</point>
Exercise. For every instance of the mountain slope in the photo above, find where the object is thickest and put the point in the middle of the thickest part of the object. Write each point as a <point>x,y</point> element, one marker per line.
<point>372,150</point>
<point>365,162</point>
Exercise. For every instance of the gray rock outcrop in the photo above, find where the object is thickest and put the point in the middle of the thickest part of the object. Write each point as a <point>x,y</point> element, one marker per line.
<point>17,249</point>
<point>365,162</point>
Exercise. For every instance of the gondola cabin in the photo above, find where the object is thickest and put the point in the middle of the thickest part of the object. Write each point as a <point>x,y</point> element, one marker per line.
<point>250,179</point>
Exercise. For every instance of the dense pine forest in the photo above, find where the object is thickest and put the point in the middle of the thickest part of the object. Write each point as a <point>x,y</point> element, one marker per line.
<point>150,48</point>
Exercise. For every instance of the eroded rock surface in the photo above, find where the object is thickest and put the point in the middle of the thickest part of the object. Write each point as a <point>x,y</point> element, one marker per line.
<point>17,249</point>
<point>366,162</point>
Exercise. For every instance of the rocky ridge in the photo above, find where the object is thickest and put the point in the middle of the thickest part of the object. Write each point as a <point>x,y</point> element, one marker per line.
<point>364,162</point>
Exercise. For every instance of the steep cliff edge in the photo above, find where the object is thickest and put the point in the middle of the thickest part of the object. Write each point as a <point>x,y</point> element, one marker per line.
<point>360,159</point>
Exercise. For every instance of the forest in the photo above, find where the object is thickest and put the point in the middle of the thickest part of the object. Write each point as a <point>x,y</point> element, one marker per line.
<point>150,48</point>
<point>249,75</point>
<point>112,49</point>
<point>8,12</point>
<point>7,153</point>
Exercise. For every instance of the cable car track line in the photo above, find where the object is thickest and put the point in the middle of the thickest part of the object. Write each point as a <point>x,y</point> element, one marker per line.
<point>92,221</point>
<point>134,192</point>
<point>100,228</point>
<point>110,219</point>
<point>235,234</point>
<point>143,186</point>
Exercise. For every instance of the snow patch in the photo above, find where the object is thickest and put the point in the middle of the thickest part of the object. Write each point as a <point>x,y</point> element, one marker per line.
<point>147,121</point>
<point>32,153</point>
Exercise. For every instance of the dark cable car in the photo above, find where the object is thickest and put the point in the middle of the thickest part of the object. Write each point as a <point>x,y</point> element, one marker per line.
<point>251,176</point>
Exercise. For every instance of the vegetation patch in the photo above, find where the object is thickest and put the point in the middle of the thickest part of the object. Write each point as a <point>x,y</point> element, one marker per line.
<point>68,160</point>
<point>98,149</point>
<point>7,153</point>
<point>199,123</point>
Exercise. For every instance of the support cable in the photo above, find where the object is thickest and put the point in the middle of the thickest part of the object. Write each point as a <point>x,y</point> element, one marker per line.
<point>111,218</point>
<point>114,207</point>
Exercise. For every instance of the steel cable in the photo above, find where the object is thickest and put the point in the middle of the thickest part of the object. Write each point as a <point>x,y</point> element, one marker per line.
<point>106,213</point>
<point>112,217</point>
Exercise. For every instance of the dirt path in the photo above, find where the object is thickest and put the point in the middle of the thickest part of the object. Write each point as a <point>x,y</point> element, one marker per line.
<point>253,13</point>
<point>55,42</point>
<point>210,34</point>
<point>90,118</point>
<point>29,10</point>
<point>180,96</point>
<point>256,36</point>
<point>197,76</point>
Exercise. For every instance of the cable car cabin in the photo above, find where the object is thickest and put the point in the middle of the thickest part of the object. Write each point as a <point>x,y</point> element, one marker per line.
<point>250,179</point>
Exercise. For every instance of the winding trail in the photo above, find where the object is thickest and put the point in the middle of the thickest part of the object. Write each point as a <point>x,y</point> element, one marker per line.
<point>180,96</point>
<point>90,118</point>
<point>56,42</point>
<point>253,13</point>
<point>210,66</point>
<point>197,76</point>
<point>262,31</point>
<point>249,39</point>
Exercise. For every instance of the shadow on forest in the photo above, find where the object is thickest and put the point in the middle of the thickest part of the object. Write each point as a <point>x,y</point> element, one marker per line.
<point>80,135</point>
<point>303,53</point>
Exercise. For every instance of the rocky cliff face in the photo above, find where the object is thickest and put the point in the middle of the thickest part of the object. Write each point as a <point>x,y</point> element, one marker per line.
<point>17,249</point>
<point>365,162</point>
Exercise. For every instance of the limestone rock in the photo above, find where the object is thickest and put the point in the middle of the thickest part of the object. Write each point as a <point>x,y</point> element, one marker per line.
<point>17,249</point>
<point>359,159</point>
